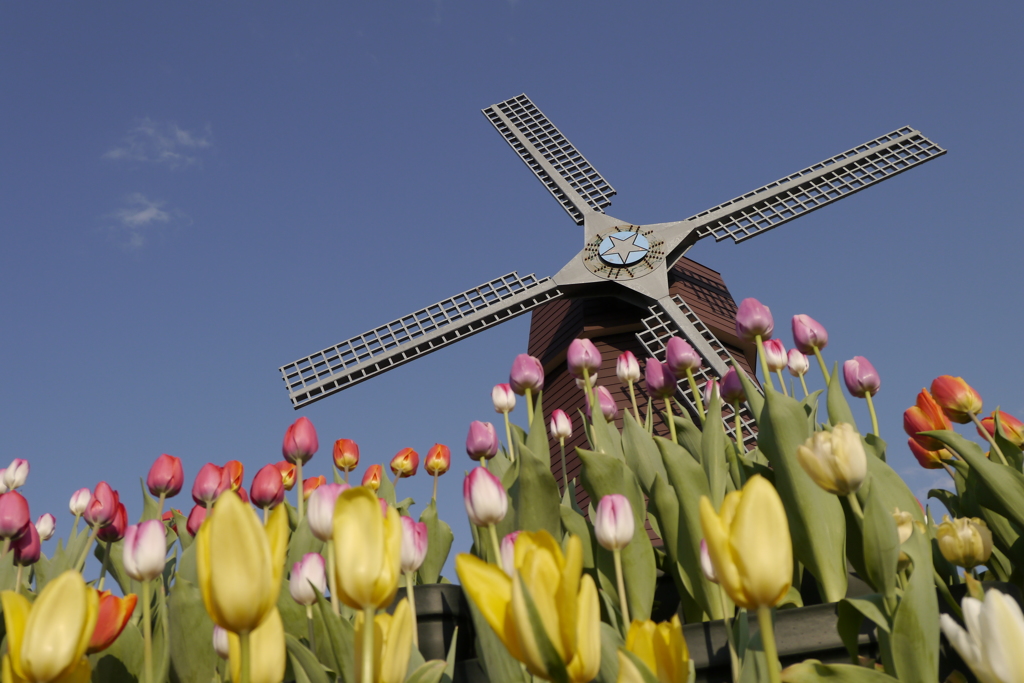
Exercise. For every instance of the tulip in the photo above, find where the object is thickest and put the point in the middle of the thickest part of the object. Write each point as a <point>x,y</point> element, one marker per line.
<point>438,460</point>
<point>706,567</point>
<point>102,505</point>
<point>230,477</point>
<point>168,517</point>
<point>47,639</point>
<point>680,356</point>
<point>485,497</point>
<point>710,388</point>
<point>925,416</point>
<point>16,474</point>
<point>1013,429</point>
<point>861,377</point>
<point>196,517</point>
<point>267,654</point>
<point>367,550</point>
<point>956,398</point>
<point>835,460</point>
<point>267,489</point>
<point>166,477</point>
<point>547,583</point>
<point>613,527</point>
<point>145,550</point>
<point>508,553</point>
<point>660,648</point>
<point>3,486</point>
<point>586,384</point>
<point>503,398</point>
<point>966,541</point>
<point>321,509</point>
<point>26,549</point>
<point>991,644</point>
<point>206,485</point>
<point>627,369</point>
<point>405,463</point>
<point>609,408</point>
<point>482,441</point>
<point>312,484</point>
<point>287,471</point>
<point>300,442</point>
<point>660,380</point>
<point>732,387</point>
<point>371,479</point>
<point>390,658</point>
<point>930,460</point>
<point>808,334</point>
<point>221,645</point>
<point>753,320</point>
<point>414,544</point>
<point>45,525</point>
<point>114,532</point>
<point>904,529</point>
<point>307,574</point>
<point>113,614</point>
<point>346,456</point>
<point>527,374</point>
<point>797,363</point>
<point>14,516</point>
<point>79,502</point>
<point>561,424</point>
<point>583,358</point>
<point>775,354</point>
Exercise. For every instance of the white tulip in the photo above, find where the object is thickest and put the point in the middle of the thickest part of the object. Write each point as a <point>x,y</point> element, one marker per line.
<point>993,643</point>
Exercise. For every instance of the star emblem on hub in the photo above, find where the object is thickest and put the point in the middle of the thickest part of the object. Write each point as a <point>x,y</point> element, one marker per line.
<point>623,248</point>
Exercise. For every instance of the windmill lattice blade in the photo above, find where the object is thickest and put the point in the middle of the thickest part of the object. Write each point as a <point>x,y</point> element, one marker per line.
<point>660,326</point>
<point>543,148</point>
<point>814,187</point>
<point>357,359</point>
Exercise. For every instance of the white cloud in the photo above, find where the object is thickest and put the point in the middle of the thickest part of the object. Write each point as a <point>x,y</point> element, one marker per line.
<point>140,218</point>
<point>161,143</point>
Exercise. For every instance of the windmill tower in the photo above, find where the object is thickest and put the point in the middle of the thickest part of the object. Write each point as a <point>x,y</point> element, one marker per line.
<point>643,286</point>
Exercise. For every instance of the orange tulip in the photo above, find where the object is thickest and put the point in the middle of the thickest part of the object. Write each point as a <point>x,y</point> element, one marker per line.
<point>312,484</point>
<point>956,398</point>
<point>371,479</point>
<point>1012,428</point>
<point>925,416</point>
<point>930,460</point>
<point>287,471</point>
<point>438,460</point>
<point>113,616</point>
<point>346,454</point>
<point>405,463</point>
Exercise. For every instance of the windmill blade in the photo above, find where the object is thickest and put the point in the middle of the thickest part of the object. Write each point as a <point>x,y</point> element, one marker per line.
<point>566,173</point>
<point>670,317</point>
<point>810,189</point>
<point>357,359</point>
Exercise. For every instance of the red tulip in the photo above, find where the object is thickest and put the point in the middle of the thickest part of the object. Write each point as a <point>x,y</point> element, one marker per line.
<point>14,515</point>
<point>808,334</point>
<point>166,476</point>
<point>205,487</point>
<point>527,373</point>
<point>1012,428</point>
<point>300,442</point>
<point>312,484</point>
<point>242,494</point>
<point>287,471</point>
<point>754,319</point>
<point>26,549</point>
<point>114,531</point>
<point>195,519</point>
<point>371,479</point>
<point>925,416</point>
<point>931,460</point>
<point>405,463</point>
<point>267,487</point>
<point>346,454</point>
<point>438,460</point>
<point>956,398</point>
<point>103,505</point>
<point>111,618</point>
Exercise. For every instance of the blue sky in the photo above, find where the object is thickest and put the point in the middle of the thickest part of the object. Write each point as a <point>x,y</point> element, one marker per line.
<point>192,195</point>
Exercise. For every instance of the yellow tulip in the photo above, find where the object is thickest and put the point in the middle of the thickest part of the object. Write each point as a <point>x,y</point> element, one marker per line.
<point>749,544</point>
<point>966,542</point>
<point>267,651</point>
<point>661,648</point>
<point>564,599</point>
<point>392,643</point>
<point>835,460</point>
<point>367,550</point>
<point>240,563</point>
<point>47,640</point>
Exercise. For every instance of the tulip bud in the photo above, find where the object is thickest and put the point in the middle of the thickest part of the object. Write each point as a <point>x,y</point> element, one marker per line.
<point>614,524</point>
<point>195,519</point>
<point>754,319</point>
<point>904,524</point>
<point>206,485</point>
<point>27,548</point>
<point>527,373</point>
<point>861,377</point>
<point>660,380</point>
<point>798,363</point>
<point>112,616</point>
<point>166,476</point>
<point>220,642</point>
<point>405,463</point>
<point>16,474</point>
<point>808,334</point>
<point>956,398</point>
<point>371,479</point>
<point>321,509</point>
<point>3,486</point>
<point>115,531</point>
<point>145,550</point>
<point>438,460</point>
<point>835,460</point>
<point>583,355</point>
<point>14,515</point>
<point>307,574</point>
<point>414,544</point>
<point>312,484</point>
<point>931,460</point>
<point>1013,428</point>
<point>732,388</point>
<point>102,505</point>
<point>584,385</point>
<point>925,416</point>
<point>287,471</point>
<point>485,497</point>
<point>627,368</point>
<point>508,553</point>
<point>706,567</point>
<point>775,354</point>
<point>367,550</point>
<point>503,398</point>
<point>561,425</point>
<point>609,408</point>
<point>79,502</point>
<point>966,541</point>
<point>680,356</point>
<point>300,442</point>
<point>45,525</point>
<point>482,441</point>
<point>168,517</point>
<point>346,454</point>
<point>710,389</point>
<point>230,477</point>
<point>267,488</point>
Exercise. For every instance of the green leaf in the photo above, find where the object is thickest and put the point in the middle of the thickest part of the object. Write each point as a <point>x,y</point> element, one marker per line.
<point>187,565</point>
<point>193,659</point>
<point>851,614</point>
<point>184,537</point>
<point>712,452</point>
<point>611,641</point>
<point>305,661</point>
<point>123,661</point>
<point>302,542</point>
<point>150,507</point>
<point>428,672</point>
<point>496,660</point>
<point>439,544</point>
<point>642,455</point>
<point>915,630</point>
<point>755,399</point>
<point>161,635</point>
<point>336,644</point>
<point>838,409</point>
<point>813,671</point>
<point>881,543</point>
<point>537,500</point>
<point>816,520</point>
<point>386,490</point>
<point>574,523</point>
<point>689,436</point>
<point>947,498</point>
<point>449,665</point>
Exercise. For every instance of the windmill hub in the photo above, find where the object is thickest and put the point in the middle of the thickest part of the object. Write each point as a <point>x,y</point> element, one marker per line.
<point>623,252</point>
<point>623,248</point>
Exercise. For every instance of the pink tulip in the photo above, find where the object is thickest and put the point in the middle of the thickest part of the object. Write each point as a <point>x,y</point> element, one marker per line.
<point>267,489</point>
<point>660,380</point>
<point>808,334</point>
<point>14,515</point>
<point>307,574</point>
<point>79,502</point>
<point>614,524</point>
<point>195,519</point>
<point>775,354</point>
<point>583,355</point>
<point>508,553</point>
<point>414,544</point>
<point>754,319</point>
<point>16,474</point>
<point>321,509</point>
<point>115,531</point>
<point>681,357</point>
<point>206,485</point>
<point>27,548</point>
<point>561,425</point>
<point>300,442</point>
<point>485,497</point>
<point>503,398</point>
<point>45,525</point>
<point>710,388</point>
<point>482,441</point>
<point>861,377</point>
<point>527,373</point>
<point>405,463</point>
<point>438,460</point>
<point>627,368</point>
<point>798,363</point>
<point>609,408</point>
<point>732,387</point>
<point>145,550</point>
<point>166,477</point>
<point>102,506</point>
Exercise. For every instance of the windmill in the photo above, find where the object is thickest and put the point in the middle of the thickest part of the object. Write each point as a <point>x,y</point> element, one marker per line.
<point>618,259</point>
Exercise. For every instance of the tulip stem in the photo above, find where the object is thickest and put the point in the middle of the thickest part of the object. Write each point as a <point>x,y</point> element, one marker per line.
<point>804,385</point>
<point>309,628</point>
<point>778,373</point>
<point>632,397</point>
<point>623,605</point>
<point>565,477</point>
<point>265,514</point>
<point>591,396</point>
<point>433,498</point>
<point>147,632</point>
<point>346,475</point>
<point>671,419</point>
<point>367,652</point>
<point>871,410</point>
<point>6,548</point>
<point>855,506</point>
<point>764,620</point>
<point>528,395</point>
<point>298,478</point>
<point>824,369</point>
<point>85,552</point>
<point>163,496</point>
<point>243,640</point>
<point>739,428</point>
<point>697,398</point>
<point>74,529</point>
<point>332,580</point>
<point>765,372</point>
<point>734,658</point>
<point>412,605</point>
<point>17,580</point>
<point>103,568</point>
<point>508,438</point>
<point>494,543</point>
<point>991,439</point>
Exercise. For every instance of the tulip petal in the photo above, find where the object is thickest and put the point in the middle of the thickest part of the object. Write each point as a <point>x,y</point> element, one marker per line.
<point>267,653</point>
<point>716,533</point>
<point>633,670</point>
<point>391,569</point>
<point>359,546</point>
<point>640,641</point>
<point>490,589</point>
<point>277,532</point>
<point>587,661</point>
<point>1002,629</point>
<point>16,610</point>
<point>568,588</point>
<point>53,636</point>
<point>539,652</point>
<point>540,573</point>
<point>761,543</point>
<point>394,661</point>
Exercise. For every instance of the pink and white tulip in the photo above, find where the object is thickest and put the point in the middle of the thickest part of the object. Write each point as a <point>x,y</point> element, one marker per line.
<point>320,511</point>
<point>561,424</point>
<point>681,357</point>
<point>16,474</point>
<point>307,574</point>
<point>221,644</point>
<point>613,523</point>
<point>661,382</point>
<point>754,319</point>
<point>503,398</point>
<point>79,502</point>
<point>627,369</point>
<point>710,389</point>
<point>145,550</point>
<point>485,497</point>
<point>414,544</point>
<point>798,363</point>
<point>45,525</point>
<point>583,355</point>
<point>775,354</point>
<point>808,334</point>
<point>609,408</point>
<point>508,553</point>
<point>706,567</point>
